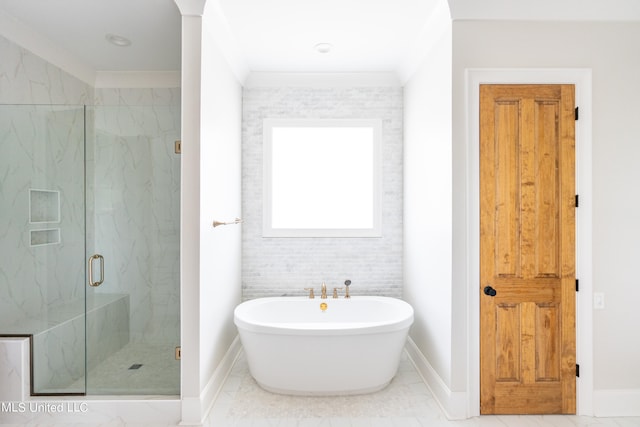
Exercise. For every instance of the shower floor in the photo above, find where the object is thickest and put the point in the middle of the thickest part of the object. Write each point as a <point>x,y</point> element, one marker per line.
<point>137,369</point>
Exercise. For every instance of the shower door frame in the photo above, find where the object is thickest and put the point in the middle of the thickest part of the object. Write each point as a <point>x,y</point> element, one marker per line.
<point>130,162</point>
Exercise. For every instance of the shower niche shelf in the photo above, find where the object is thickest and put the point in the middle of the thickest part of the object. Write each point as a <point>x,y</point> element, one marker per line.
<point>49,236</point>
<point>44,206</point>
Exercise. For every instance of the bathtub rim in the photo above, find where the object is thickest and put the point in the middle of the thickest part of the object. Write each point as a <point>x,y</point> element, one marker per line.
<point>396,323</point>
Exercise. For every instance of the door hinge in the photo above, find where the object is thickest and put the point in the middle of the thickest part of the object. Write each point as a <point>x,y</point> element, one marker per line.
<point>178,147</point>
<point>577,285</point>
<point>577,370</point>
<point>178,353</point>
<point>577,200</point>
<point>577,112</point>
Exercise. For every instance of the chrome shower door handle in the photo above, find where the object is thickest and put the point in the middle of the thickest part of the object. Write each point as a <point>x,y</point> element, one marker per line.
<point>91,259</point>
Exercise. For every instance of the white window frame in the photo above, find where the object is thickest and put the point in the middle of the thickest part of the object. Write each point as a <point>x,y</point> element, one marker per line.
<point>374,231</point>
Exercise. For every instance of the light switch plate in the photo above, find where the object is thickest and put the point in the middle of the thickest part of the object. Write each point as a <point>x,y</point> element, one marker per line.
<point>598,301</point>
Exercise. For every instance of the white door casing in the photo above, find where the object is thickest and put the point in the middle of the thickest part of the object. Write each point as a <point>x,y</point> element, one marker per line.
<point>584,324</point>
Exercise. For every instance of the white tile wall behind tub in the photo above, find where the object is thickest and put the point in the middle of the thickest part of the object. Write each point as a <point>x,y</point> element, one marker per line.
<point>278,266</point>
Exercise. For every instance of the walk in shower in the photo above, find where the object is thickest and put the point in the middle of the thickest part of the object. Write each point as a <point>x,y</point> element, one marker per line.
<point>89,246</point>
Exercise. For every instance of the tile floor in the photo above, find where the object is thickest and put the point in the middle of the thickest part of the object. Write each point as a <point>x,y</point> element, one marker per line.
<point>159,373</point>
<point>406,402</point>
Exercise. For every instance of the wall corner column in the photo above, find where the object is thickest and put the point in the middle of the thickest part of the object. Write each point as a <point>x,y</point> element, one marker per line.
<point>191,82</point>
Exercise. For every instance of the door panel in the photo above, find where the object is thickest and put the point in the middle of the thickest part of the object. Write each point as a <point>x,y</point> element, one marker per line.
<point>527,249</point>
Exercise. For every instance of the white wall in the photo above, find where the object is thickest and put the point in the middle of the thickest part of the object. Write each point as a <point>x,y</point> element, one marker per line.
<point>610,50</point>
<point>428,213</point>
<point>220,200</point>
<point>210,258</point>
<point>427,207</point>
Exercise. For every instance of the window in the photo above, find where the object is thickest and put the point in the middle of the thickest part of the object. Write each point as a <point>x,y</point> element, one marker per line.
<point>322,178</point>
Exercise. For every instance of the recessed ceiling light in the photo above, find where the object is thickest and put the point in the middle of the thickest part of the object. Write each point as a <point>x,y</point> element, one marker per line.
<point>118,40</point>
<point>323,47</point>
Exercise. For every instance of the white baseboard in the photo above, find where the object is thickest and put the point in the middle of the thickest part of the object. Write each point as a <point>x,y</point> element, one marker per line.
<point>616,403</point>
<point>191,411</point>
<point>606,403</point>
<point>195,411</point>
<point>453,404</point>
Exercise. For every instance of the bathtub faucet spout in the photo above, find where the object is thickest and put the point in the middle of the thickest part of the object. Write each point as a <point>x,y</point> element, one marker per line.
<point>324,291</point>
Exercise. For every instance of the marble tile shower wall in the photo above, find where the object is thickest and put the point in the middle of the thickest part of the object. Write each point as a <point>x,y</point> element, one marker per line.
<point>279,266</point>
<point>27,79</point>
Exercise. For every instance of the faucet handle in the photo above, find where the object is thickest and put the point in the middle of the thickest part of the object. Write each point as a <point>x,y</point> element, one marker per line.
<point>311,295</point>
<point>335,292</point>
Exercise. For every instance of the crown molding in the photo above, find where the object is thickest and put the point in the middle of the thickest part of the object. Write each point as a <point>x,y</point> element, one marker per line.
<point>268,79</point>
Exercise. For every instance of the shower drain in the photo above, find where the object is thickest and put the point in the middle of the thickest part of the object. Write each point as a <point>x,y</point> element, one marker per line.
<point>135,366</point>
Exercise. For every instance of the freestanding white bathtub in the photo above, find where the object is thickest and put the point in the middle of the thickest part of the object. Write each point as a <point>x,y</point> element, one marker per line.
<point>294,347</point>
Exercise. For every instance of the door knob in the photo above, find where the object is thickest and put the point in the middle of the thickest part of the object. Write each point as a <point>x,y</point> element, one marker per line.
<point>488,290</point>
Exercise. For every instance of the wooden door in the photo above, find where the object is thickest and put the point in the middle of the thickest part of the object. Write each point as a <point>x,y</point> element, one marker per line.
<point>527,249</point>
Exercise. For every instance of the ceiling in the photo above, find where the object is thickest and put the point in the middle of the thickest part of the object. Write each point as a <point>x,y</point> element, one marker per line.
<point>80,27</point>
<point>365,35</point>
<point>274,35</point>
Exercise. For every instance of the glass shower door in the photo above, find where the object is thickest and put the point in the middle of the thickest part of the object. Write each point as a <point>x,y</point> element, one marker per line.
<point>132,250</point>
<point>42,231</point>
